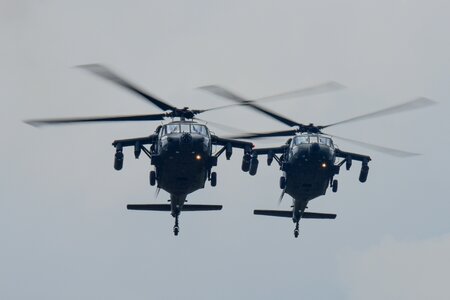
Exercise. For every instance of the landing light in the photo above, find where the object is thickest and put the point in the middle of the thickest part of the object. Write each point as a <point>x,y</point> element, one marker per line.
<point>324,165</point>
<point>198,157</point>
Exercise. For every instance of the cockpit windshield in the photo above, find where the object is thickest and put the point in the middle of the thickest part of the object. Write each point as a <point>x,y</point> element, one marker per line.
<point>189,128</point>
<point>171,128</point>
<point>309,139</point>
<point>200,129</point>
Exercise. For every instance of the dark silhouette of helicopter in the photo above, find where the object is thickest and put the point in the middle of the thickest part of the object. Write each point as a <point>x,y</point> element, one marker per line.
<point>309,160</point>
<point>181,150</point>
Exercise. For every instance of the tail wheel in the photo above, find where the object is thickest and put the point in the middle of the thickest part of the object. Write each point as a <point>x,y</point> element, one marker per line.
<point>335,186</point>
<point>296,230</point>
<point>213,179</point>
<point>152,178</point>
<point>282,182</point>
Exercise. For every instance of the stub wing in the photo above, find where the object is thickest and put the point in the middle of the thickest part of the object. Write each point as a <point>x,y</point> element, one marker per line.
<point>271,150</point>
<point>354,156</point>
<point>132,142</point>
<point>247,146</point>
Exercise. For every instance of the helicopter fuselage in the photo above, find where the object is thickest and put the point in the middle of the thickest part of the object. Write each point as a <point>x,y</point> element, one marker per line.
<point>309,164</point>
<point>308,169</point>
<point>182,162</point>
<point>181,152</point>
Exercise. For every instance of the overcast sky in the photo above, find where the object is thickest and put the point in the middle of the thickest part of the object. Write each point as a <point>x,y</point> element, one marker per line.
<point>65,232</point>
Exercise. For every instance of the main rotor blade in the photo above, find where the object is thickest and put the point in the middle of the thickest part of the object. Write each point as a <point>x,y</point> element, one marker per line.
<point>106,73</point>
<point>36,123</point>
<point>273,115</point>
<point>389,151</point>
<point>223,92</point>
<point>267,134</point>
<point>410,105</point>
<point>303,92</point>
<point>321,88</point>
<point>217,90</point>
<point>222,126</point>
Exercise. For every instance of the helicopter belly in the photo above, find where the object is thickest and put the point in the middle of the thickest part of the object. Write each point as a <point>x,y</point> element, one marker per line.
<point>181,174</point>
<point>307,180</point>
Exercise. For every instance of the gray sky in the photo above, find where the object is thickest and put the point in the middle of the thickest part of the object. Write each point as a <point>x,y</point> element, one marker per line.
<point>64,229</point>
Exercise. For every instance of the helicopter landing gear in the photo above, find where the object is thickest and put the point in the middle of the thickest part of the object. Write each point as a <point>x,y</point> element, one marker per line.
<point>282,182</point>
<point>176,227</point>
<point>213,179</point>
<point>152,178</point>
<point>296,230</point>
<point>334,186</point>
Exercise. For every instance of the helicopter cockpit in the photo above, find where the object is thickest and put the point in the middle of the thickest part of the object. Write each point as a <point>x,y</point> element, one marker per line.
<point>192,128</point>
<point>310,139</point>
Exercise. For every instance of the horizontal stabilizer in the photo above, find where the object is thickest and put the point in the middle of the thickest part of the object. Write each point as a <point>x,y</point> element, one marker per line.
<point>289,214</point>
<point>157,207</point>
<point>311,215</point>
<point>200,207</point>
<point>274,213</point>
<point>167,207</point>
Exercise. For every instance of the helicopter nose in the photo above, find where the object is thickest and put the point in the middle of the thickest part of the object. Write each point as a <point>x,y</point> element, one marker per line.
<point>186,141</point>
<point>186,138</point>
<point>315,148</point>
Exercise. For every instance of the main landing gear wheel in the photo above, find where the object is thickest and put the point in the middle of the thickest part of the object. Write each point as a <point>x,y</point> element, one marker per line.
<point>176,227</point>
<point>334,186</point>
<point>152,178</point>
<point>213,179</point>
<point>282,182</point>
<point>296,230</point>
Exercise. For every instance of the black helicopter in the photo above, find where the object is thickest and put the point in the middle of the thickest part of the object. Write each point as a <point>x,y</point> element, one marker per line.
<point>309,159</point>
<point>181,150</point>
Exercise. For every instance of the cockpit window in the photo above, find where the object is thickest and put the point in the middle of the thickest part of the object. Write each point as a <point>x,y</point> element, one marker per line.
<point>200,129</point>
<point>323,140</point>
<point>301,140</point>
<point>185,128</point>
<point>190,128</point>
<point>307,139</point>
<point>172,128</point>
